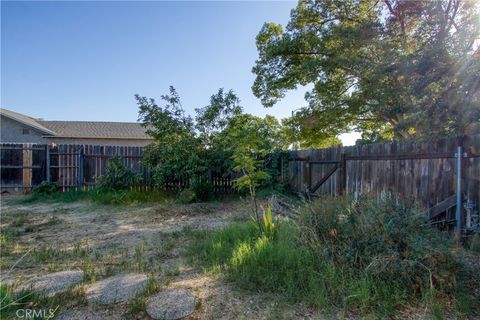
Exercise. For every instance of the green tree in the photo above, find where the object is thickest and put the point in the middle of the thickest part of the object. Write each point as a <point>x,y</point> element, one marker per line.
<point>211,121</point>
<point>221,138</point>
<point>300,133</point>
<point>251,140</point>
<point>399,67</point>
<point>176,151</point>
<point>214,118</point>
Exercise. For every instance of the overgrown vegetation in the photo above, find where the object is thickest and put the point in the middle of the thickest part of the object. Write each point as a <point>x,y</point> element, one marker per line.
<point>367,256</point>
<point>220,139</point>
<point>117,176</point>
<point>46,188</point>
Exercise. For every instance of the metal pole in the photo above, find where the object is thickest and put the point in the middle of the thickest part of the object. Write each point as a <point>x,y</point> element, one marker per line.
<point>458,211</point>
<point>48,163</point>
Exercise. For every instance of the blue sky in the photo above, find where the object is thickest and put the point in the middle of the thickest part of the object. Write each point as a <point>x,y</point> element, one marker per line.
<point>86,60</point>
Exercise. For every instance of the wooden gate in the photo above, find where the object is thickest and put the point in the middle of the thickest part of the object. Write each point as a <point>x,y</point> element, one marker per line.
<point>426,173</point>
<point>22,166</point>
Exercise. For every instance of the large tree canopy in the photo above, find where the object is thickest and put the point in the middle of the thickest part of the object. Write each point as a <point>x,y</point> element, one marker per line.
<point>392,68</point>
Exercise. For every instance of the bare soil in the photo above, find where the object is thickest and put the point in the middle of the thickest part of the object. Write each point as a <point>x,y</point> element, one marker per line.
<point>103,241</point>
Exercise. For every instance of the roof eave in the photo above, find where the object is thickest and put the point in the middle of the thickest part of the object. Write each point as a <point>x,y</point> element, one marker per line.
<point>110,138</point>
<point>48,133</point>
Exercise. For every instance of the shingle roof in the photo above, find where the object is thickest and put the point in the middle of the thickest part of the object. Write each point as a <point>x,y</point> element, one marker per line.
<point>26,120</point>
<point>81,129</point>
<point>93,129</point>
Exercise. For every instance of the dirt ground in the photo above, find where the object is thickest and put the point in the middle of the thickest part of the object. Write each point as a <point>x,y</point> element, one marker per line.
<point>41,238</point>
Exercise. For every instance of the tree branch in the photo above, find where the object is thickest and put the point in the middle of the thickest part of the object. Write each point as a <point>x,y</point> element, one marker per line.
<point>396,15</point>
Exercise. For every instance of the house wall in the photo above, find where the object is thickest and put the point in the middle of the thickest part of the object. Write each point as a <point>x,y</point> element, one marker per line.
<point>101,142</point>
<point>12,132</point>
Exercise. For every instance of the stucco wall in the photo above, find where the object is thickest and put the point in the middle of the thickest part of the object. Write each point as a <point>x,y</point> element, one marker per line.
<point>12,132</point>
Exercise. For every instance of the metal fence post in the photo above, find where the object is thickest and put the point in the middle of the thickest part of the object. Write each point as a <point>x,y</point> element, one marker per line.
<point>47,160</point>
<point>458,211</point>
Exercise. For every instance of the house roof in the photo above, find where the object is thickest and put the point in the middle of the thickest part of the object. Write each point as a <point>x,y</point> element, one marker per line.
<point>94,129</point>
<point>81,129</point>
<point>26,120</point>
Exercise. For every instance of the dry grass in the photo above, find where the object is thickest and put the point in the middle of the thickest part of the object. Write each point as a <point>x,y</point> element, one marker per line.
<point>104,240</point>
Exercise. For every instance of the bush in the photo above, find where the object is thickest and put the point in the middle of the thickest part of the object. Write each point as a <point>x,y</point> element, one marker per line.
<point>202,188</point>
<point>117,176</point>
<point>475,243</point>
<point>186,196</point>
<point>367,256</point>
<point>385,247</point>
<point>46,188</point>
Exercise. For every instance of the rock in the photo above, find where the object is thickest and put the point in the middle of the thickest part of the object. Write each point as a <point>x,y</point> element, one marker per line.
<point>53,283</point>
<point>117,289</point>
<point>171,304</point>
<point>74,314</point>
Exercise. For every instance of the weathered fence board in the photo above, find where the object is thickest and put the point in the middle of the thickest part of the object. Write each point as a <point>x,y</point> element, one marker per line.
<point>423,171</point>
<point>22,166</point>
<point>76,167</point>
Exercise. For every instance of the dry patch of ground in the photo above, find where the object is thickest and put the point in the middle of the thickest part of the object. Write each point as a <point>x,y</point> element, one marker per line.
<point>103,241</point>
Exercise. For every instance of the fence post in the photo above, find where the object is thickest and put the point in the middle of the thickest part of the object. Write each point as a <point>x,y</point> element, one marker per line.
<point>343,173</point>
<point>80,170</point>
<point>47,160</point>
<point>27,167</point>
<point>309,175</point>
<point>458,211</point>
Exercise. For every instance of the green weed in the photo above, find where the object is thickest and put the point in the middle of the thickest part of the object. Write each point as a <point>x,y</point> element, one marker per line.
<point>138,305</point>
<point>47,253</point>
<point>12,300</point>
<point>139,257</point>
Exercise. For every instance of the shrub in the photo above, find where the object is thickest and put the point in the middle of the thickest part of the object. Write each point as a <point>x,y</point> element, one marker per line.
<point>46,188</point>
<point>372,233</point>
<point>117,176</point>
<point>475,243</point>
<point>202,188</point>
<point>367,256</point>
<point>384,244</point>
<point>186,196</point>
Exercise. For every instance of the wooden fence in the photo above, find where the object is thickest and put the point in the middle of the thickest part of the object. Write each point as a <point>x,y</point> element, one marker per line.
<point>422,171</point>
<point>75,167</point>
